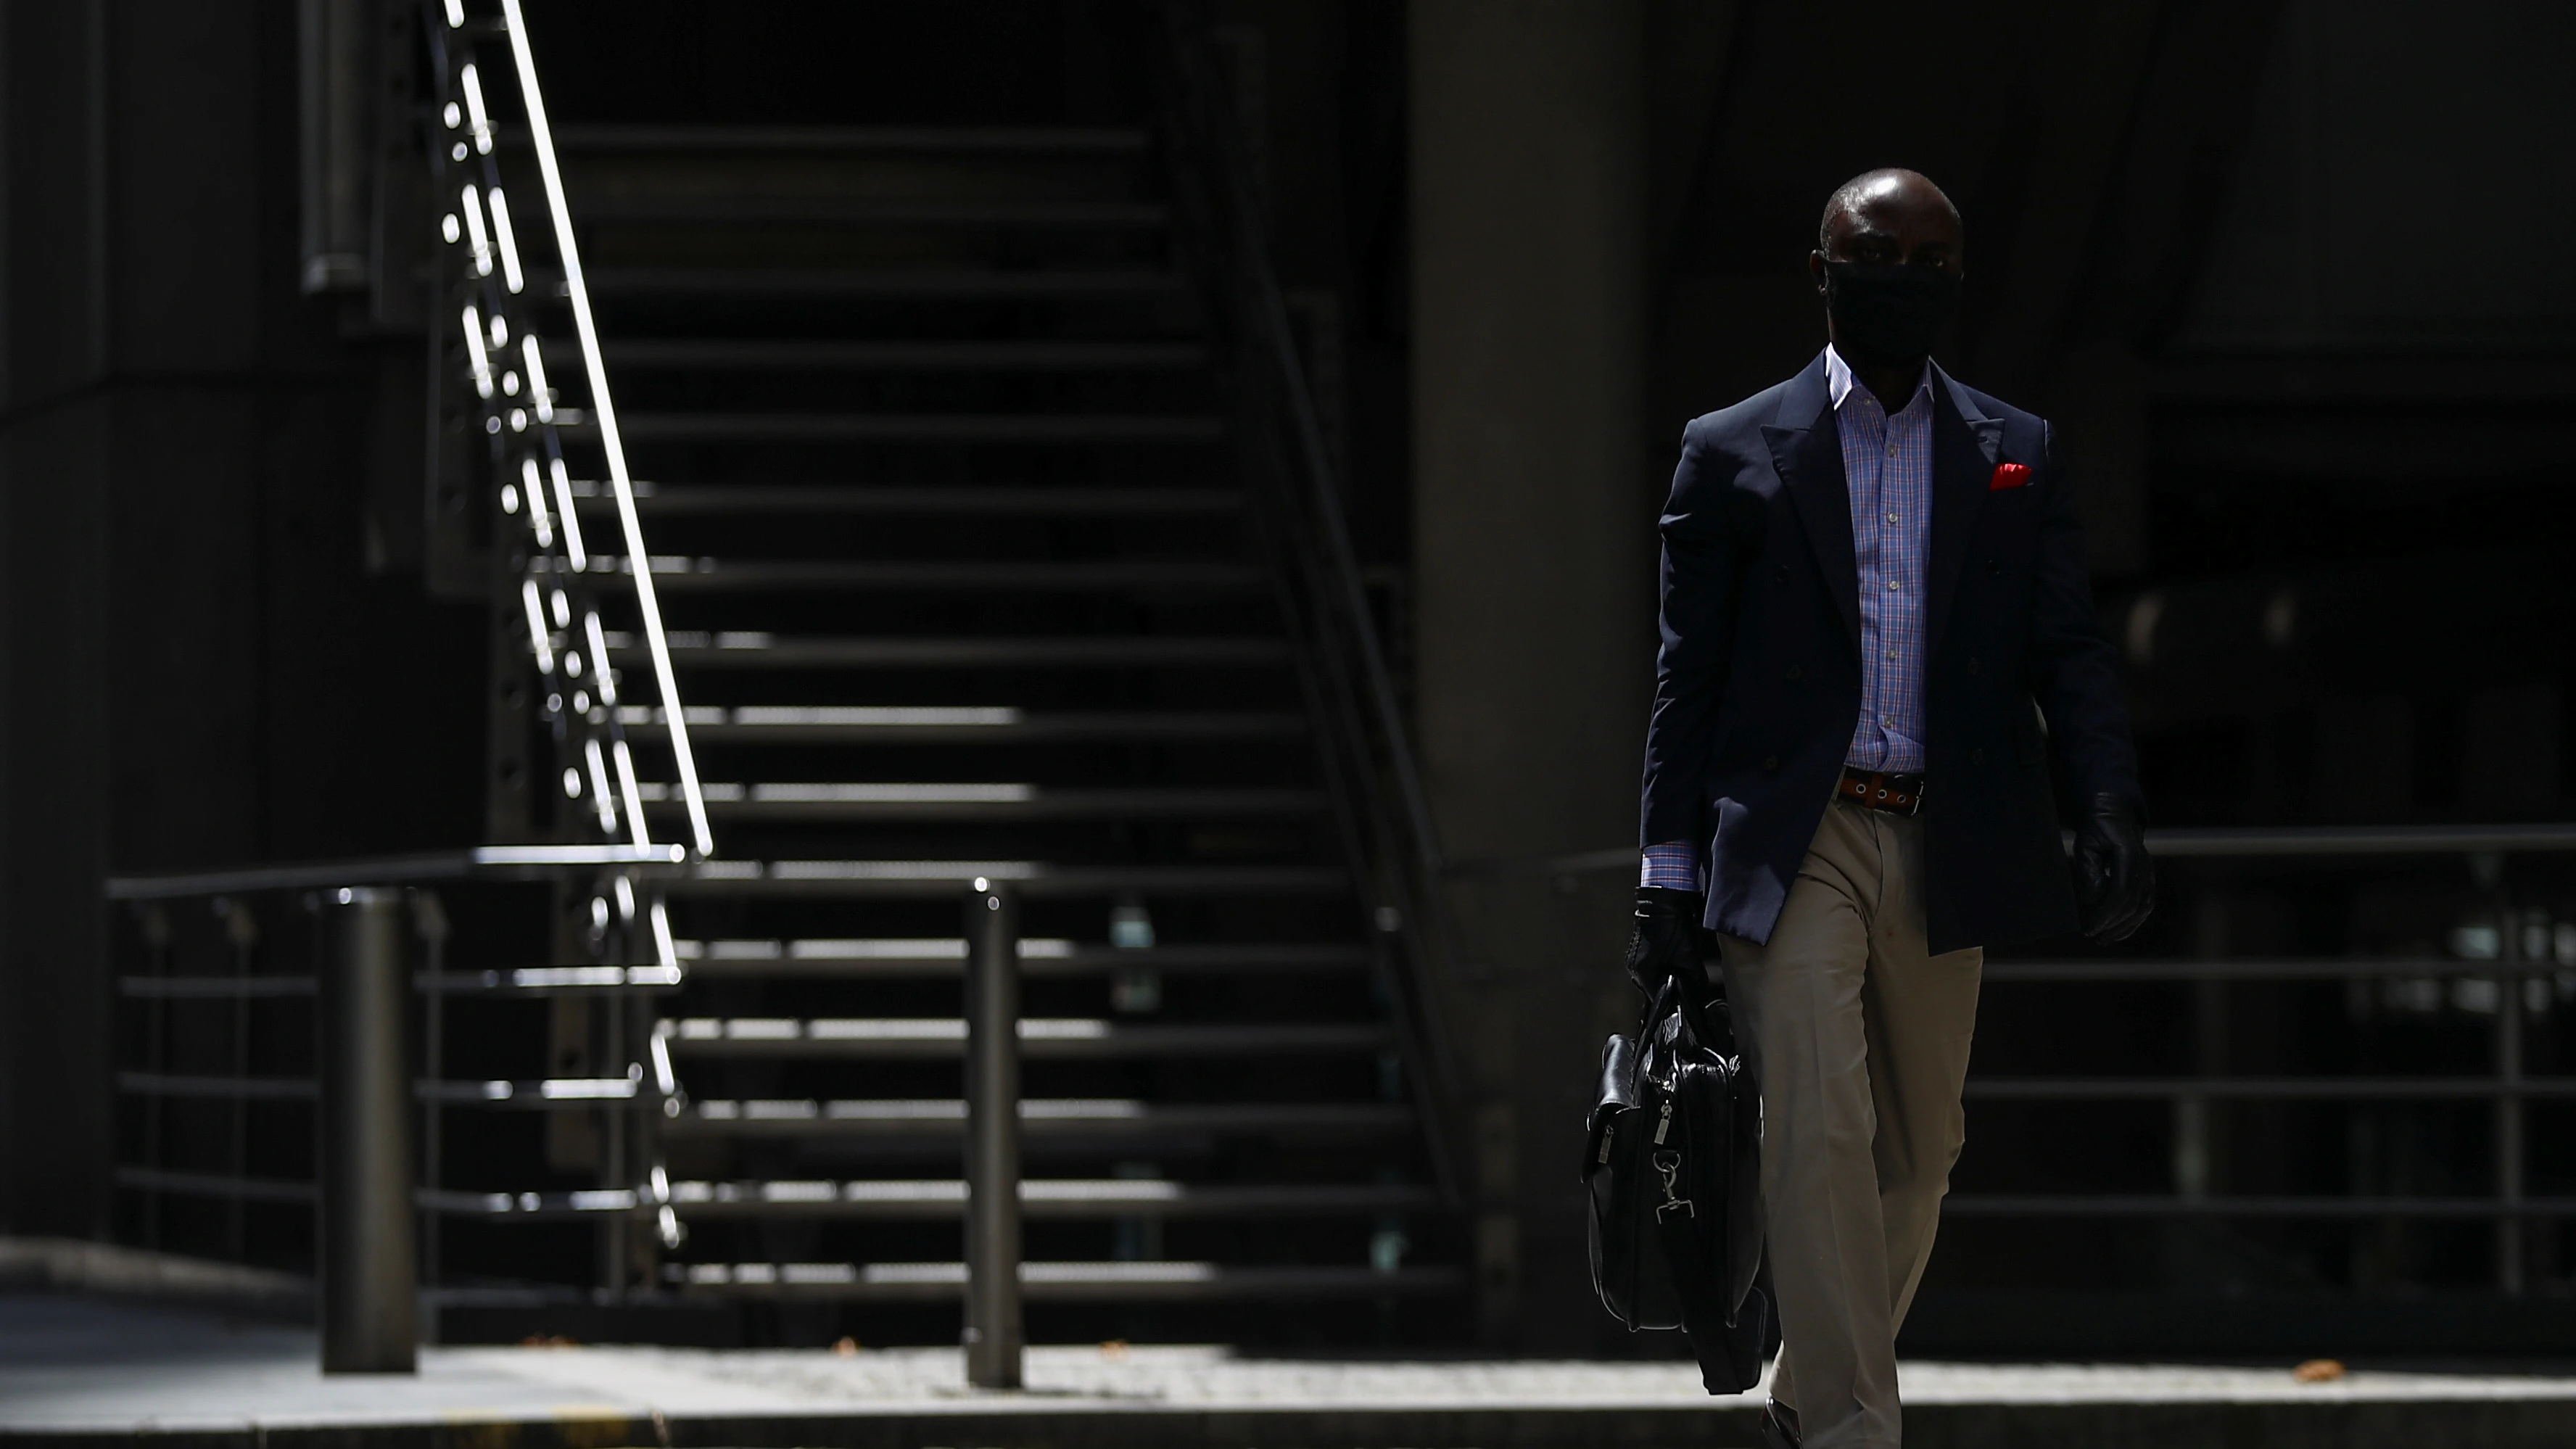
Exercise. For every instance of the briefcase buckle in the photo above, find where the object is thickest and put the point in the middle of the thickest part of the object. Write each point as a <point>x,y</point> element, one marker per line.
<point>1670,1165</point>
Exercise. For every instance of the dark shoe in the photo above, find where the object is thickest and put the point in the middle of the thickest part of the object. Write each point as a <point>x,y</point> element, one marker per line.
<point>1779,1425</point>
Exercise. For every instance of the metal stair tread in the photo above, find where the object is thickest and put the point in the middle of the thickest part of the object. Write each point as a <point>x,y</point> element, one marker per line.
<point>1040,1198</point>
<point>1040,1037</point>
<point>844,210</point>
<point>1060,140</point>
<point>995,800</point>
<point>896,498</point>
<point>925,356</point>
<point>917,427</point>
<point>1039,1117</point>
<point>976,574</point>
<point>980,284</point>
<point>1039,956</point>
<point>756,650</point>
<point>941,878</point>
<point>1062,1281</point>
<point>999,723</point>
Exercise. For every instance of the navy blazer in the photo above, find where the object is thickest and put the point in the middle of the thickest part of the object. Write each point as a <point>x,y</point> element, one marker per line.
<point>1757,682</point>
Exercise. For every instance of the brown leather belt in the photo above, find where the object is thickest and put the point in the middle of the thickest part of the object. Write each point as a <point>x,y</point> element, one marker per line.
<point>1879,790</point>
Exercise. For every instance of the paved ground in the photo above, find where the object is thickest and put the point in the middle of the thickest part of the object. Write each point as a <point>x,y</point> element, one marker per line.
<point>107,1370</point>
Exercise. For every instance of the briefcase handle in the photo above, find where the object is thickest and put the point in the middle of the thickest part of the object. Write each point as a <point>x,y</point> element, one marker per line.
<point>1693,994</point>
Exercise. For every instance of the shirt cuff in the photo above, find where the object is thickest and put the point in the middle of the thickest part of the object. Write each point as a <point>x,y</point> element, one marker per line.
<point>1672,867</point>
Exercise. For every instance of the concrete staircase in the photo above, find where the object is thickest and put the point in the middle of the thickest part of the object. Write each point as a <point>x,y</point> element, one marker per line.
<point>955,559</point>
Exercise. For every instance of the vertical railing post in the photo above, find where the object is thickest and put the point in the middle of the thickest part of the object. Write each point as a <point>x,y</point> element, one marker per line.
<point>993,1329</point>
<point>616,1123</point>
<point>429,922</point>
<point>242,931</point>
<point>2508,1104</point>
<point>370,1293</point>
<point>2197,1141</point>
<point>156,1058</point>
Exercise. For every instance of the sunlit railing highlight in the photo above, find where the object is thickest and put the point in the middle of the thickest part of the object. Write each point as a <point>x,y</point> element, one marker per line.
<point>605,416</point>
<point>505,361</point>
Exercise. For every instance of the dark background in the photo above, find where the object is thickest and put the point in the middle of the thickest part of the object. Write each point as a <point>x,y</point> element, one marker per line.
<point>2284,273</point>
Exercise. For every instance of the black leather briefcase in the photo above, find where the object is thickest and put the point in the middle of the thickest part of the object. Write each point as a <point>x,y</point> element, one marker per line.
<point>1672,1165</point>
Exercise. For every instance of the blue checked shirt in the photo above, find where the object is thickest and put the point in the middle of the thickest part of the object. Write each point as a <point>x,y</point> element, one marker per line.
<point>1887,470</point>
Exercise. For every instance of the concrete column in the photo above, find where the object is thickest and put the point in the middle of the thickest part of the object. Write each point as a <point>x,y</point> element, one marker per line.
<point>59,434</point>
<point>1528,343</point>
<point>1533,564</point>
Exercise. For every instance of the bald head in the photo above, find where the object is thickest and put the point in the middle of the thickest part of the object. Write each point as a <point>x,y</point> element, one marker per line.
<point>1891,215</point>
<point>1888,259</point>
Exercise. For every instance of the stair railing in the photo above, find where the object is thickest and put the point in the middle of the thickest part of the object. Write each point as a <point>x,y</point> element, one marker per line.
<point>1296,486</point>
<point>503,356</point>
<point>558,582</point>
<point>258,955</point>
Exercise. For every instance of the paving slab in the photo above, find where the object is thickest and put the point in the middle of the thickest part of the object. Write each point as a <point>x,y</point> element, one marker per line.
<point>97,1373</point>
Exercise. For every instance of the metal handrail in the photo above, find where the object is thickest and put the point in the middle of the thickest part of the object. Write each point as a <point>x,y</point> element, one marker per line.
<point>2507,1088</point>
<point>2318,1206</point>
<point>2241,842</point>
<point>2428,1087</point>
<point>586,715</point>
<point>1376,784</point>
<point>523,862</point>
<point>2282,968</point>
<point>2226,842</point>
<point>640,1095</point>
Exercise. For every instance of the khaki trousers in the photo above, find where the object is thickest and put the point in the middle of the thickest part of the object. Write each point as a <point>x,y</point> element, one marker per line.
<point>1860,1039</point>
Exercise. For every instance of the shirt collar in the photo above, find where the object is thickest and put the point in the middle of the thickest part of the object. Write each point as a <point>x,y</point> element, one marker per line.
<point>1840,384</point>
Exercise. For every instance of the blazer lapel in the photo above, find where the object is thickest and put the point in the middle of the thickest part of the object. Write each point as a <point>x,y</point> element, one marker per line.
<point>1965,444</point>
<point>1807,450</point>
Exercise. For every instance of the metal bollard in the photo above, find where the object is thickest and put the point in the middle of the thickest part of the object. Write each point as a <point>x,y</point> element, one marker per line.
<point>369,1289</point>
<point>993,1331</point>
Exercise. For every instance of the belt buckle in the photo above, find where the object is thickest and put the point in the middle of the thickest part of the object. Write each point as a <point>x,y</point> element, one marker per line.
<point>1871,791</point>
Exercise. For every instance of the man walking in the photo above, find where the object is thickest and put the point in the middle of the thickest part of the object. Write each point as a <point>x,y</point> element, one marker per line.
<point>1870,574</point>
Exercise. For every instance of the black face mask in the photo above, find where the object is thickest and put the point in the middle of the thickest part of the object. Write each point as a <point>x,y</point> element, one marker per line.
<point>1885,314</point>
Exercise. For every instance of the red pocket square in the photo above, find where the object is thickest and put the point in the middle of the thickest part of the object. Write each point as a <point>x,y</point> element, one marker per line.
<point>2008,475</point>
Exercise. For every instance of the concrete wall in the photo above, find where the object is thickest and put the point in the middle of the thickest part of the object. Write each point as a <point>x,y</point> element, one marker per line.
<point>195,665</point>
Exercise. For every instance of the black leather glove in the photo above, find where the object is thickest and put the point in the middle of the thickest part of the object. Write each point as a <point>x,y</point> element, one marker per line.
<point>1667,938</point>
<point>2115,879</point>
